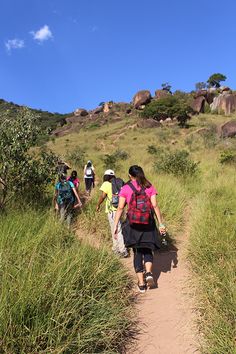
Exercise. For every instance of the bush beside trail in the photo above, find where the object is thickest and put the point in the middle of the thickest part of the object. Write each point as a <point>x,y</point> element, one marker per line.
<point>58,295</point>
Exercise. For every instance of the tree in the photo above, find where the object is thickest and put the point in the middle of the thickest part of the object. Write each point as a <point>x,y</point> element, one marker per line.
<point>168,107</point>
<point>166,87</point>
<point>200,86</point>
<point>215,79</point>
<point>23,170</point>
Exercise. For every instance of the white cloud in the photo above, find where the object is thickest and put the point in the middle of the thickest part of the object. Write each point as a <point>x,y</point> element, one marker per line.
<point>14,44</point>
<point>43,34</point>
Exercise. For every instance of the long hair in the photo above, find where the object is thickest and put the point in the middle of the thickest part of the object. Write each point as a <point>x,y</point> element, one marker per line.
<point>74,174</point>
<point>107,178</point>
<point>89,164</point>
<point>137,172</point>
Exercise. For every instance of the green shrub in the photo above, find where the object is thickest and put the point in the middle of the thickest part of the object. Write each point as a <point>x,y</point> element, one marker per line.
<point>24,172</point>
<point>76,156</point>
<point>153,150</point>
<point>58,295</point>
<point>177,163</point>
<point>228,157</point>
<point>168,107</point>
<point>112,160</point>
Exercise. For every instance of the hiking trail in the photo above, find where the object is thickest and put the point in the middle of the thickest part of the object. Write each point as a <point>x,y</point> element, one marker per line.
<point>166,317</point>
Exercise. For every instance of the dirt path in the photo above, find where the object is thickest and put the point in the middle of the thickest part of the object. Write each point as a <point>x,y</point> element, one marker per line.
<point>165,314</point>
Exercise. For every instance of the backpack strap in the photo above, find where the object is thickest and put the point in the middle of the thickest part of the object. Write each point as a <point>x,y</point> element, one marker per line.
<point>130,184</point>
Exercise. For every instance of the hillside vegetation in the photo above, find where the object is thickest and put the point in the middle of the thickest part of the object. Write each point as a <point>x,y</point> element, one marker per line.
<point>45,119</point>
<point>209,194</point>
<point>63,295</point>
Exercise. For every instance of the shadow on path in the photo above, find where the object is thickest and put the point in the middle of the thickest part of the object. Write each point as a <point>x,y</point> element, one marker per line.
<point>163,261</point>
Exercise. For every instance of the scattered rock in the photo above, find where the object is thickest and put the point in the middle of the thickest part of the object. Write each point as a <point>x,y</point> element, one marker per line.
<point>161,94</point>
<point>74,119</point>
<point>148,123</point>
<point>228,130</point>
<point>141,98</point>
<point>97,110</point>
<point>80,112</point>
<point>225,102</point>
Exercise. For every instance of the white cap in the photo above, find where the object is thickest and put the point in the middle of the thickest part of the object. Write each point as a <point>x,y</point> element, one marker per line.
<point>109,173</point>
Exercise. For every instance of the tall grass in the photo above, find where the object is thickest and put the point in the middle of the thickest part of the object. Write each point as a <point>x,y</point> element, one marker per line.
<point>212,253</point>
<point>57,295</point>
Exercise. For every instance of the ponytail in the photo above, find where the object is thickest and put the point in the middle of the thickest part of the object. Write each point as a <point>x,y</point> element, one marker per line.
<point>137,172</point>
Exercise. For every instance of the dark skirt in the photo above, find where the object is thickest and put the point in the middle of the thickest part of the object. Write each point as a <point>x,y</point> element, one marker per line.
<point>141,236</point>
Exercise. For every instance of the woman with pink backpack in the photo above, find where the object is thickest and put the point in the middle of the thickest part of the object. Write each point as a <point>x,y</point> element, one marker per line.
<point>139,230</point>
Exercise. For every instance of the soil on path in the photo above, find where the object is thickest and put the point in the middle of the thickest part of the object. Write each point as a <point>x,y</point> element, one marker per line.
<point>166,314</point>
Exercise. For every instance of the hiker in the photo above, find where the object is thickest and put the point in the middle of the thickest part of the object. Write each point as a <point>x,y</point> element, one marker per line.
<point>62,167</point>
<point>89,176</point>
<point>110,192</point>
<point>74,179</point>
<point>139,230</point>
<point>66,199</point>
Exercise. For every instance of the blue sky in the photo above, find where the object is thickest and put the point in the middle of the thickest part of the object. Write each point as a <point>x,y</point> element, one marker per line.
<point>59,55</point>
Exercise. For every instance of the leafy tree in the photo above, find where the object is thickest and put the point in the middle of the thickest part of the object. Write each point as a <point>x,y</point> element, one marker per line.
<point>171,107</point>
<point>23,171</point>
<point>200,86</point>
<point>166,86</point>
<point>215,79</point>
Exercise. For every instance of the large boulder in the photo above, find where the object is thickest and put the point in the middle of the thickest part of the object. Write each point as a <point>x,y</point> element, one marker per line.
<point>225,102</point>
<point>148,123</point>
<point>161,94</point>
<point>200,93</point>
<point>228,130</point>
<point>141,98</point>
<point>198,104</point>
<point>80,112</point>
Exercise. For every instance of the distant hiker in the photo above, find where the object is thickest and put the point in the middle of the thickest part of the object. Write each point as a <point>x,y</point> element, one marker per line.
<point>66,199</point>
<point>74,179</point>
<point>62,167</point>
<point>110,192</point>
<point>140,231</point>
<point>89,176</point>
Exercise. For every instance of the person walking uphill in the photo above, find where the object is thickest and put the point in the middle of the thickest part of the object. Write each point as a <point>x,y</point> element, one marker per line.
<point>89,176</point>
<point>65,198</point>
<point>140,231</point>
<point>110,190</point>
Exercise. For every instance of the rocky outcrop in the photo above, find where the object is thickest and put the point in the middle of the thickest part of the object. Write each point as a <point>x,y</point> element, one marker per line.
<point>141,98</point>
<point>66,129</point>
<point>198,104</point>
<point>161,94</point>
<point>224,103</point>
<point>80,112</point>
<point>97,110</point>
<point>107,107</point>
<point>228,130</point>
<point>148,123</point>
<point>74,119</point>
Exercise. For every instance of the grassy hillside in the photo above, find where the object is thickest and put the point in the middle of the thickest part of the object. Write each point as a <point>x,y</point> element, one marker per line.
<point>45,119</point>
<point>58,295</point>
<point>209,195</point>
